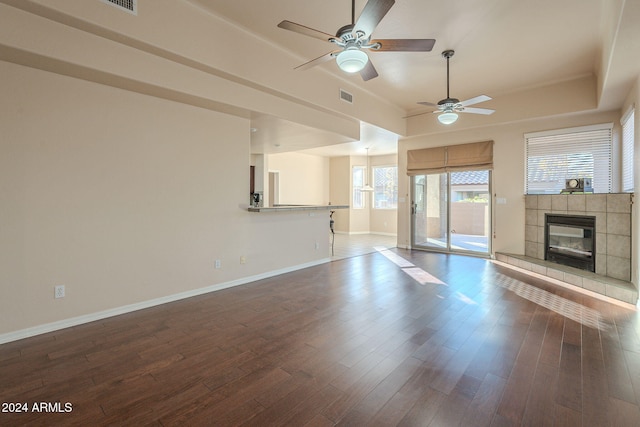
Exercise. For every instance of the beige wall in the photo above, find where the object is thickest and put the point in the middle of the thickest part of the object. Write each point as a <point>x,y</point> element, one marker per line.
<point>507,176</point>
<point>340,191</point>
<point>304,178</point>
<point>125,198</point>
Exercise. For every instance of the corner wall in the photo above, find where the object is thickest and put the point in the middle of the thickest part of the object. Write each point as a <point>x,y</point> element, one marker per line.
<point>125,198</point>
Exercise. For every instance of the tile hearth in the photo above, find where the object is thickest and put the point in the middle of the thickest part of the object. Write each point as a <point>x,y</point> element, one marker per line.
<point>614,288</point>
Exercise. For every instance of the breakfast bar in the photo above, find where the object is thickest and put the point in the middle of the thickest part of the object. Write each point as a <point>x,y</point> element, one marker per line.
<point>290,208</point>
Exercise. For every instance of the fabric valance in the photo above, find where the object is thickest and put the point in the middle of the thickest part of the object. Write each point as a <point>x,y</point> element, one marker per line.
<point>463,157</point>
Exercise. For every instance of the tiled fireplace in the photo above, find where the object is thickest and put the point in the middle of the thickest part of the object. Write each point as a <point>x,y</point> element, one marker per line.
<point>604,239</point>
<point>612,214</point>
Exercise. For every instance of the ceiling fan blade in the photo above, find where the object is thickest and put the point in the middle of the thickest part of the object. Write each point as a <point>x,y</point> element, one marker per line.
<point>301,29</point>
<point>371,15</point>
<point>405,45</point>
<point>485,111</point>
<point>368,72</point>
<point>430,104</point>
<point>476,100</point>
<point>319,60</point>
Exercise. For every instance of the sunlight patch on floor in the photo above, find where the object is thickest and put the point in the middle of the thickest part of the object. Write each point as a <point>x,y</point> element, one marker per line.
<point>418,274</point>
<point>567,308</point>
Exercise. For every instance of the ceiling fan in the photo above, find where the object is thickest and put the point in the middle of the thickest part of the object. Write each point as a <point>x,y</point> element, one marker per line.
<point>355,38</point>
<point>449,107</point>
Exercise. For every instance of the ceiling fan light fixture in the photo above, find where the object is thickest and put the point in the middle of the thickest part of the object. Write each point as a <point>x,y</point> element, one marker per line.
<point>352,60</point>
<point>447,118</point>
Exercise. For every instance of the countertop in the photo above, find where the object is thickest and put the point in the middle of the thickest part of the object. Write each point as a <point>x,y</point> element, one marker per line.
<point>291,208</point>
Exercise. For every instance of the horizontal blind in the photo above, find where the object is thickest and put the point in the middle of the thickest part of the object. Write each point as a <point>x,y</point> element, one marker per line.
<point>553,157</point>
<point>627,150</point>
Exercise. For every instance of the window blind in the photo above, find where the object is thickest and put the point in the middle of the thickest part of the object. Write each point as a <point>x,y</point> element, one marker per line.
<point>627,150</point>
<point>555,156</point>
<point>462,157</point>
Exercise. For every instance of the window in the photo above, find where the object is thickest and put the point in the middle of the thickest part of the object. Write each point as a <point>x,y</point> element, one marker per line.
<point>358,183</point>
<point>385,185</point>
<point>554,156</point>
<point>627,150</point>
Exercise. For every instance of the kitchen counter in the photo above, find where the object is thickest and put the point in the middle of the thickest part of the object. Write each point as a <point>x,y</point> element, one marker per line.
<point>292,208</point>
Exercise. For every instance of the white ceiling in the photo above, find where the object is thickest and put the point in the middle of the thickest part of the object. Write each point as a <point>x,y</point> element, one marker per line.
<point>502,46</point>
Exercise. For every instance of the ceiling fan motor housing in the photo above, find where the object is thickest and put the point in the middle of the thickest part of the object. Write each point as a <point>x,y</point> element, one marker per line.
<point>346,33</point>
<point>451,101</point>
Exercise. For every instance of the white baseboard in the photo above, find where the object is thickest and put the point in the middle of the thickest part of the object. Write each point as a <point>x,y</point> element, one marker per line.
<point>361,233</point>
<point>92,317</point>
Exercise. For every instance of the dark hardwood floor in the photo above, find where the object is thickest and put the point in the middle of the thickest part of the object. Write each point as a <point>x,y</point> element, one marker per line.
<point>395,338</point>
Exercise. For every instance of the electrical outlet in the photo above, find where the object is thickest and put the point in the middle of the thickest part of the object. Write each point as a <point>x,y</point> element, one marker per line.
<point>58,291</point>
<point>218,264</point>
<point>317,246</point>
<point>243,259</point>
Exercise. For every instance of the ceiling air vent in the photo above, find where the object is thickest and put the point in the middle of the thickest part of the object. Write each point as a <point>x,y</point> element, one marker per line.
<point>346,96</point>
<point>130,6</point>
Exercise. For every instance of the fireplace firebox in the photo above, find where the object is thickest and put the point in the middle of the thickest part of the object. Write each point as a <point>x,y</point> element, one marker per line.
<point>571,240</point>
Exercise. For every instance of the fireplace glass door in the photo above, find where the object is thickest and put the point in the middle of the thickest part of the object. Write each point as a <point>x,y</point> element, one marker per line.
<point>570,240</point>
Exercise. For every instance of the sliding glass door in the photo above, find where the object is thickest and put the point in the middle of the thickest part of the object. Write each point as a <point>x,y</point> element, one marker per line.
<point>451,212</point>
<point>430,216</point>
